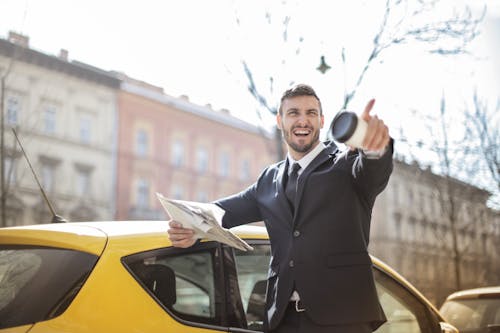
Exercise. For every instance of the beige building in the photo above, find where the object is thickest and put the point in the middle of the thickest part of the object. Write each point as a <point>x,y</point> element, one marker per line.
<point>414,222</point>
<point>64,113</point>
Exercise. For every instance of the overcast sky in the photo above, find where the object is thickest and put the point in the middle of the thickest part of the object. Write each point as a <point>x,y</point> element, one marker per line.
<point>195,48</point>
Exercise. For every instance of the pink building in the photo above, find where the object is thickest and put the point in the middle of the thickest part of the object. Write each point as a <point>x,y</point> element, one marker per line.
<point>182,150</point>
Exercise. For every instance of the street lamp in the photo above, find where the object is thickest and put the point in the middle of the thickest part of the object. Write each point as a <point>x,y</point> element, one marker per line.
<point>323,66</point>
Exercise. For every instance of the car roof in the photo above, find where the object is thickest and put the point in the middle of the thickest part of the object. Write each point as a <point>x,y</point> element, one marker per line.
<point>65,235</point>
<point>484,292</point>
<point>92,237</point>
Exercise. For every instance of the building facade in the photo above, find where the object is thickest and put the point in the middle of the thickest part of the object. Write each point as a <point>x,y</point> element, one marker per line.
<point>64,114</point>
<point>181,150</point>
<point>435,230</point>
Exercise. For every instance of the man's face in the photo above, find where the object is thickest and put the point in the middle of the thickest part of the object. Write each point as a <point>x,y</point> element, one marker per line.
<point>300,122</point>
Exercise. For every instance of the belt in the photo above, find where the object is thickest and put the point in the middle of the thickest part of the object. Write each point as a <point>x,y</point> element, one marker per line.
<point>297,306</point>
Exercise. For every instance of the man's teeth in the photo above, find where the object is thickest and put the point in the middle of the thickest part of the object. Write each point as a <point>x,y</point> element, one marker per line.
<point>301,132</point>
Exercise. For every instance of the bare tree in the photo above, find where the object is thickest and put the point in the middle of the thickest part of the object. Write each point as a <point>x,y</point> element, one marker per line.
<point>266,97</point>
<point>4,173</point>
<point>3,192</point>
<point>483,134</point>
<point>404,21</point>
<point>458,226</point>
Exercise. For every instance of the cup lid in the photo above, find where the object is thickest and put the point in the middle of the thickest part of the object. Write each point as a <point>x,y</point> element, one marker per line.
<point>344,125</point>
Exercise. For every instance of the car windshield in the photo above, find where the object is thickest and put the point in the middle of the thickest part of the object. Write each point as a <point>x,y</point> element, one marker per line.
<point>468,314</point>
<point>41,281</point>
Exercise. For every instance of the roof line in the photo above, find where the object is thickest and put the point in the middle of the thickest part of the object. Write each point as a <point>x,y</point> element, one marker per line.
<point>202,111</point>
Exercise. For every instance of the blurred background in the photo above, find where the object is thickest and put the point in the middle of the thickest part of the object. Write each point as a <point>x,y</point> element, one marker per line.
<point>114,101</point>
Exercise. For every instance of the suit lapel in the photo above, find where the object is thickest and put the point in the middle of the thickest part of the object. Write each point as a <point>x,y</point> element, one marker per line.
<point>323,156</point>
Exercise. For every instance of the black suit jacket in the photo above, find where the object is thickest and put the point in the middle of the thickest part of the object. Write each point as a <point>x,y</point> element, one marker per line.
<point>320,248</point>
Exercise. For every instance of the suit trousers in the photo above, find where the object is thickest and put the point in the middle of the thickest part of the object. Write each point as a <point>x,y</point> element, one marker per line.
<point>299,322</point>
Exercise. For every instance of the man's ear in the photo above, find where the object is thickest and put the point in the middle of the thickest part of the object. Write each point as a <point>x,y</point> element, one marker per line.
<point>278,121</point>
<point>322,121</point>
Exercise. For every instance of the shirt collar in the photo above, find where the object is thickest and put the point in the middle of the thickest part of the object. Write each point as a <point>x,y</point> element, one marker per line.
<point>308,158</point>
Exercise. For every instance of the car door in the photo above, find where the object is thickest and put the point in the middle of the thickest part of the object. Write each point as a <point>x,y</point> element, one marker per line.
<point>405,312</point>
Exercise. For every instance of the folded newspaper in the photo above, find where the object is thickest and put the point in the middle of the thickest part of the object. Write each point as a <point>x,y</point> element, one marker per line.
<point>204,218</point>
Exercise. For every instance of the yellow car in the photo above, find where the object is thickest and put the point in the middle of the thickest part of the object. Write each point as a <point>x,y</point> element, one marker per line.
<point>126,277</point>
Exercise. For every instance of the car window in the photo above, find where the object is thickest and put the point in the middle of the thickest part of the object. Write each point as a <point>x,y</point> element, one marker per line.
<point>183,282</point>
<point>404,311</point>
<point>470,313</point>
<point>42,281</point>
<point>252,267</point>
<point>496,316</point>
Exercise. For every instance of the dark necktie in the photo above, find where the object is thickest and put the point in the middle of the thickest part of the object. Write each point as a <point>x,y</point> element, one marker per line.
<point>291,184</point>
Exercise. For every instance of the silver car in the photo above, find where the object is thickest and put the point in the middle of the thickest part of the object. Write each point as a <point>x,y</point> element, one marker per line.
<point>474,310</point>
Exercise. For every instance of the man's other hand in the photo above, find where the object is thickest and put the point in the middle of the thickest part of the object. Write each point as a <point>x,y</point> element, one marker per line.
<point>377,133</point>
<point>180,236</point>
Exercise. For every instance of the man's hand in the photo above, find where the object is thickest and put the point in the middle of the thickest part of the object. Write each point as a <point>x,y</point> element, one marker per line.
<point>377,133</point>
<point>180,236</point>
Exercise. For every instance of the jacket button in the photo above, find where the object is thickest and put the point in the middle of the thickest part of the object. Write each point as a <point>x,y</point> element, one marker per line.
<point>296,233</point>
<point>290,263</point>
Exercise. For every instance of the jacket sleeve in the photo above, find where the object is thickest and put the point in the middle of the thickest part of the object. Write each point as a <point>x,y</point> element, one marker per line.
<point>240,208</point>
<point>370,176</point>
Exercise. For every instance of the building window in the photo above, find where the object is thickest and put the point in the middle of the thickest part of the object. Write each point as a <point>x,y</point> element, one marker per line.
<point>49,120</point>
<point>202,196</point>
<point>424,231</point>
<point>142,142</point>
<point>13,110</point>
<point>397,226</point>
<point>423,202</point>
<point>178,192</point>
<point>410,196</point>
<point>224,164</point>
<point>201,160</point>
<point>395,191</point>
<point>412,229</point>
<point>484,244</point>
<point>178,153</point>
<point>83,182</point>
<point>245,170</point>
<point>433,204</point>
<point>85,129</point>
<point>9,170</point>
<point>142,198</point>
<point>47,175</point>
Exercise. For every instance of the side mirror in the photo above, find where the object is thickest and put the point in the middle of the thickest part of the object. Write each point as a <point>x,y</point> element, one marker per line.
<point>494,328</point>
<point>447,328</point>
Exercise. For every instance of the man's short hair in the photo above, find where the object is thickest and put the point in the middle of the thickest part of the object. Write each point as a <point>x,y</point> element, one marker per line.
<point>299,90</point>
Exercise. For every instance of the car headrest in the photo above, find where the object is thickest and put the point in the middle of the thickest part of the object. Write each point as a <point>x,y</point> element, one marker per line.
<point>160,279</point>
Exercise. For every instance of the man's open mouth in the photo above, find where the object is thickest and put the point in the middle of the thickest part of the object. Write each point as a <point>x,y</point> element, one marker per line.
<point>301,132</point>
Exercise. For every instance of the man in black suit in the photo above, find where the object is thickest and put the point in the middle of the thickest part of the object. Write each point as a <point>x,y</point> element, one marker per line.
<point>316,205</point>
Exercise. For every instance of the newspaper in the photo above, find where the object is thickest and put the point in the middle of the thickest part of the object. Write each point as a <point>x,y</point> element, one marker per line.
<point>204,218</point>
